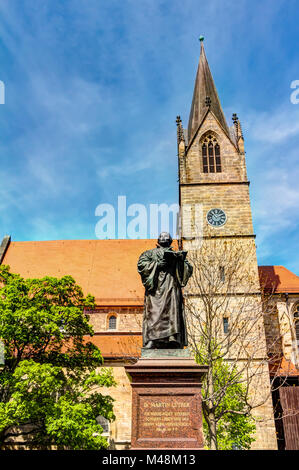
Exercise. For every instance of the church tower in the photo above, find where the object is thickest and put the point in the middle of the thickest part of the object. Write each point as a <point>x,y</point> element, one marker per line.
<point>212,169</point>
<point>215,208</point>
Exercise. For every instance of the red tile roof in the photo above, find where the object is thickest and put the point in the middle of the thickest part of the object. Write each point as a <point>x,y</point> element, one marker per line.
<point>278,279</point>
<point>106,269</point>
<point>283,368</point>
<point>118,346</point>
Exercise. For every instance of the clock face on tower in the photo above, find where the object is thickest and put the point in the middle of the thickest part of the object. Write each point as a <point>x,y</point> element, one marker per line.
<point>216,217</point>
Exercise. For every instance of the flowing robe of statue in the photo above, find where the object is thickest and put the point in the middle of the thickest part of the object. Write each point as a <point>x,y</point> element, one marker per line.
<point>164,272</point>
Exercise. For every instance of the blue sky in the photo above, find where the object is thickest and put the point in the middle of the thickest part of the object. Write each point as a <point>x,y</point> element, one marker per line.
<point>92,90</point>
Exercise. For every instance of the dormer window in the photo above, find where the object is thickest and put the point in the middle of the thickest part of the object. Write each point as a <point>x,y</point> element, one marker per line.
<point>211,155</point>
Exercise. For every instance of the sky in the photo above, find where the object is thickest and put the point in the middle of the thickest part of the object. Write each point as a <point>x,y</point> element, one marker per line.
<point>92,91</point>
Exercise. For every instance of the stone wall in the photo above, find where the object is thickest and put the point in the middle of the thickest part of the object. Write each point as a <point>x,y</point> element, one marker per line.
<point>128,319</point>
<point>120,429</point>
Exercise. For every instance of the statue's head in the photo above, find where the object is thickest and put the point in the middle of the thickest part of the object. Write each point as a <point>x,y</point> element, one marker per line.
<point>164,239</point>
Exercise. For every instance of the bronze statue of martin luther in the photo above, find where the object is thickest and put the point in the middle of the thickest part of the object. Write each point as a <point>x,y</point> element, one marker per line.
<point>164,272</point>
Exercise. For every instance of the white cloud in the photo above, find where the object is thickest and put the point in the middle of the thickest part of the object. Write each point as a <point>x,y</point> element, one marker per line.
<point>275,210</point>
<point>275,126</point>
<point>147,157</point>
<point>45,228</point>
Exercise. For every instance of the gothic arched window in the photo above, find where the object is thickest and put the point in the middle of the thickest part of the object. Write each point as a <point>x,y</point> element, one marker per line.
<point>105,425</point>
<point>211,155</point>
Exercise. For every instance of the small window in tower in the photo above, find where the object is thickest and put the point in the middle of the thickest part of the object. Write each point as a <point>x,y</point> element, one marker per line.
<point>222,273</point>
<point>211,160</point>
<point>225,325</point>
<point>112,322</point>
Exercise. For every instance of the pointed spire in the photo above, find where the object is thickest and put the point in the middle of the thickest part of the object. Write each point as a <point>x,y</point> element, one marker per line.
<point>204,96</point>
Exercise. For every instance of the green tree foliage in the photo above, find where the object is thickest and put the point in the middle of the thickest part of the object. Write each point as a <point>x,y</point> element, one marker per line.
<point>234,425</point>
<point>49,383</point>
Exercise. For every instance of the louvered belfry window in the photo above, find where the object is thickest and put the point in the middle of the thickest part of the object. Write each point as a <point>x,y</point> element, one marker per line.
<point>211,155</point>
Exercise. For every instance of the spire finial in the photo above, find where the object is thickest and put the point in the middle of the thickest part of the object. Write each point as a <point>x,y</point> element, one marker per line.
<point>235,118</point>
<point>180,131</point>
<point>238,127</point>
<point>201,38</point>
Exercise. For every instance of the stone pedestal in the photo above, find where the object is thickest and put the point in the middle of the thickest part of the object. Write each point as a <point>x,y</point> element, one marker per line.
<point>166,407</point>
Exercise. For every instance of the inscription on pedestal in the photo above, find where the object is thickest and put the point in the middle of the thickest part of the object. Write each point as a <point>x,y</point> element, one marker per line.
<point>168,418</point>
<point>161,418</point>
